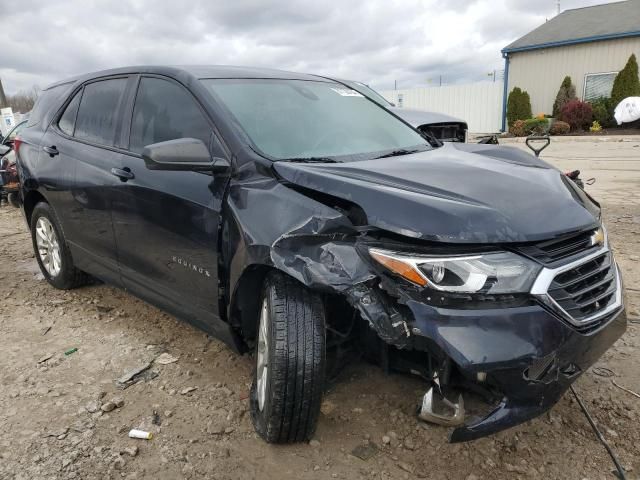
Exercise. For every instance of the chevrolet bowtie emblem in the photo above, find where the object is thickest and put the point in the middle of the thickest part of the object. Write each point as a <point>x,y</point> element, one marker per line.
<point>597,238</point>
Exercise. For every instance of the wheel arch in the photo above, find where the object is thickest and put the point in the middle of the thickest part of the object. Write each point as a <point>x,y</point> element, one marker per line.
<point>244,307</point>
<point>245,301</point>
<point>30,200</point>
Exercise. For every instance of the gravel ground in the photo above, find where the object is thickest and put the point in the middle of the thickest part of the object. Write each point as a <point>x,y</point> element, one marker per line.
<point>52,423</point>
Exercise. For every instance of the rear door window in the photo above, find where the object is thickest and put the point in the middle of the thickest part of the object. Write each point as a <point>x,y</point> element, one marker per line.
<point>165,111</point>
<point>97,116</point>
<point>68,119</point>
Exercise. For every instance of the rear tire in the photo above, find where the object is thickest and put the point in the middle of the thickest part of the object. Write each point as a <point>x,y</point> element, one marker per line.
<point>286,392</point>
<point>52,251</point>
<point>13,200</point>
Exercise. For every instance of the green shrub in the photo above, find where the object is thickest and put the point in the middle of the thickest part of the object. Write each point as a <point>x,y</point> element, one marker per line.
<point>626,83</point>
<point>603,112</point>
<point>559,128</point>
<point>566,93</point>
<point>536,126</point>
<point>517,128</point>
<point>577,114</point>
<point>518,105</point>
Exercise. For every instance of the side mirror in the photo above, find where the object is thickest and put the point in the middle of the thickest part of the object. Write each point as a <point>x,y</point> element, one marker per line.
<point>4,149</point>
<point>182,154</point>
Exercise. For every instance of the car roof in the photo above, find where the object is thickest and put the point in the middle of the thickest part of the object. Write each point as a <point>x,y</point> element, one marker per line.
<point>195,71</point>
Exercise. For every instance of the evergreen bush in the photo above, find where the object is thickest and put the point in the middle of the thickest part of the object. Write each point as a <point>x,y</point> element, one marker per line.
<point>626,83</point>
<point>566,93</point>
<point>518,105</point>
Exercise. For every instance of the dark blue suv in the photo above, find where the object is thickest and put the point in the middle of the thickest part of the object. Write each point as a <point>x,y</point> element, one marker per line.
<point>295,218</point>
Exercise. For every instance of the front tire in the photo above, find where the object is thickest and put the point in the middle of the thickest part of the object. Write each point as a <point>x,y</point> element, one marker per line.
<point>52,251</point>
<point>290,361</point>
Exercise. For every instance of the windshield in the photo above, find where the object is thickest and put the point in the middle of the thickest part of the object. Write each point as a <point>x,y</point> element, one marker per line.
<point>297,119</point>
<point>369,92</point>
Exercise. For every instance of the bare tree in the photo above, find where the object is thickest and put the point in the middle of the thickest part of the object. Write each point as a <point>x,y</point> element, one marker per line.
<point>23,101</point>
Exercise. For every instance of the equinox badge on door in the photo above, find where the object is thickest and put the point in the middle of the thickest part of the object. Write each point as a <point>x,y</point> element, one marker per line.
<point>191,266</point>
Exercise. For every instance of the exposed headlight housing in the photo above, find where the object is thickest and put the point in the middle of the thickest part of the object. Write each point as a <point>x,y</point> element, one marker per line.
<point>490,273</point>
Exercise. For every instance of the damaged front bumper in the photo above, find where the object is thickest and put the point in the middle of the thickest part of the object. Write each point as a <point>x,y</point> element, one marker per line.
<point>528,354</point>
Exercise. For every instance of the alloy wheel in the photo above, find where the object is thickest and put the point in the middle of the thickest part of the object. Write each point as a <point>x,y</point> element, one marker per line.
<point>262,355</point>
<point>48,246</point>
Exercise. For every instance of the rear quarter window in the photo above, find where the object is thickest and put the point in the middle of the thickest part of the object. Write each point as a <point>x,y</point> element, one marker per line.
<point>45,102</point>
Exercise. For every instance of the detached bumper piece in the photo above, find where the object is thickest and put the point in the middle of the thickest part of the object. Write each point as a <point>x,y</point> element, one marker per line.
<point>429,409</point>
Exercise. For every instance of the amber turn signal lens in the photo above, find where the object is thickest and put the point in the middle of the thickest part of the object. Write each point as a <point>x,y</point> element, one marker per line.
<point>404,269</point>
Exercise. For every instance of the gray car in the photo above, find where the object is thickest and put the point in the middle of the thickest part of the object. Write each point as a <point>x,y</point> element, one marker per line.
<point>439,125</point>
<point>8,141</point>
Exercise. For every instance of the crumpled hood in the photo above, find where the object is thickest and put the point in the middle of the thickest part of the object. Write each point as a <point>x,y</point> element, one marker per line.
<point>458,193</point>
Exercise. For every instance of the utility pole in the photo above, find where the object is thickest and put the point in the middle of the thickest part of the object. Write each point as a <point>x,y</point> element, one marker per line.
<point>3,97</point>
<point>429,80</point>
<point>395,84</point>
<point>558,5</point>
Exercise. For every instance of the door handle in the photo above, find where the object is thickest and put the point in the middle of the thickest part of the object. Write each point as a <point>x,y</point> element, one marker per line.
<point>123,174</point>
<point>52,150</point>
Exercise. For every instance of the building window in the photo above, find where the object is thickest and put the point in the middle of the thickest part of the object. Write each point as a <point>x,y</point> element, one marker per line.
<point>598,85</point>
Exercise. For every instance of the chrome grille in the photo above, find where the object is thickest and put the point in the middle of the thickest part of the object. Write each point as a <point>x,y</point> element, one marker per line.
<point>587,289</point>
<point>585,292</point>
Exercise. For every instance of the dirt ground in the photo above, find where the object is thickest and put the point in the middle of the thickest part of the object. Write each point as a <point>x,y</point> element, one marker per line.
<point>51,424</point>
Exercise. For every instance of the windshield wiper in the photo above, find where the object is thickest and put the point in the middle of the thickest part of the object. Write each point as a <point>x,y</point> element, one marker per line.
<point>310,160</point>
<point>397,153</point>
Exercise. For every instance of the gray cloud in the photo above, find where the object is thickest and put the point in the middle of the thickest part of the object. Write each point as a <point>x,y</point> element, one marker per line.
<point>375,41</point>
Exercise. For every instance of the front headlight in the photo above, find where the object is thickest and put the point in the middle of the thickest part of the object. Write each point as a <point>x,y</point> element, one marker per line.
<point>491,273</point>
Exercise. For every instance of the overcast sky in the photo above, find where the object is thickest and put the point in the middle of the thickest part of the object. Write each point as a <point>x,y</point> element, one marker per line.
<point>374,41</point>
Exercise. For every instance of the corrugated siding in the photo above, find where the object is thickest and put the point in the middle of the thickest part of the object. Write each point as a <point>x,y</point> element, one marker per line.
<point>479,104</point>
<point>540,72</point>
